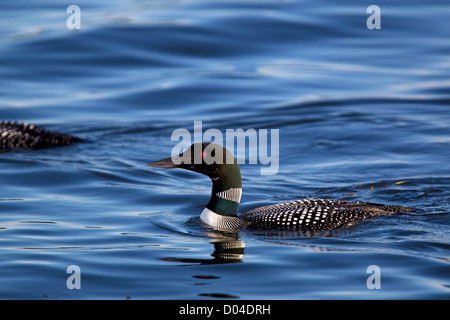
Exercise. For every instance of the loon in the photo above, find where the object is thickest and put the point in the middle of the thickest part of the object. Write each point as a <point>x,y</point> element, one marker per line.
<point>14,135</point>
<point>303,215</point>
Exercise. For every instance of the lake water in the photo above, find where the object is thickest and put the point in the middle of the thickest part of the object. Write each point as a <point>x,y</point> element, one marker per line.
<point>362,115</point>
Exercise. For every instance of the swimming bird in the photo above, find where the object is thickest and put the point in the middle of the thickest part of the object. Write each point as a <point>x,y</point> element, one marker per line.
<point>221,212</point>
<point>15,135</point>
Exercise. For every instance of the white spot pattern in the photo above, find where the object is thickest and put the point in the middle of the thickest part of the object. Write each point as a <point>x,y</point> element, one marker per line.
<point>313,214</point>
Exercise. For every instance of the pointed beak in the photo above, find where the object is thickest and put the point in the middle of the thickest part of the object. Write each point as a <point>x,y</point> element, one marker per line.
<point>166,163</point>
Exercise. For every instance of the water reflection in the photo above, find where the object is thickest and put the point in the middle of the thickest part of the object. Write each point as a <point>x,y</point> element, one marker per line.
<point>227,249</point>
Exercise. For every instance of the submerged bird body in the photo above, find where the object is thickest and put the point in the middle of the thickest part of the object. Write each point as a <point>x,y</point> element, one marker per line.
<point>15,135</point>
<point>222,210</point>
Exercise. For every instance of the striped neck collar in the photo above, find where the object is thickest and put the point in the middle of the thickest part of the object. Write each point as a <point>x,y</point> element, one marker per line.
<point>232,194</point>
<point>225,202</point>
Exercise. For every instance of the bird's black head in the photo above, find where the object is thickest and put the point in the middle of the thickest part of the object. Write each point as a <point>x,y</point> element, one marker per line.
<point>209,159</point>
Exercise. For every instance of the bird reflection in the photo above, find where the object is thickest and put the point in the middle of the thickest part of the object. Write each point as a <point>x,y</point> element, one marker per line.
<point>227,249</point>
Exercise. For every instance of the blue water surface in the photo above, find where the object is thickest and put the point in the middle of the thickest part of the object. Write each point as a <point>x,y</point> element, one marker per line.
<point>362,115</point>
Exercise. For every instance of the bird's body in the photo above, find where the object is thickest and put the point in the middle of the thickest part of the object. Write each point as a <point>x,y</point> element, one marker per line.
<point>304,215</point>
<point>15,135</point>
<point>314,214</point>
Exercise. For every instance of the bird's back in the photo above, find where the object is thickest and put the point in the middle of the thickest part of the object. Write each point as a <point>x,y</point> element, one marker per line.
<point>314,214</point>
<point>22,135</point>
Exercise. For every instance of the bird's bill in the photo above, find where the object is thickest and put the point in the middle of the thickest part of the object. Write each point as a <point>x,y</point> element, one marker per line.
<point>172,162</point>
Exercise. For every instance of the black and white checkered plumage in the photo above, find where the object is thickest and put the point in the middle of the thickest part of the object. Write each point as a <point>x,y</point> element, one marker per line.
<point>313,214</point>
<point>15,135</point>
